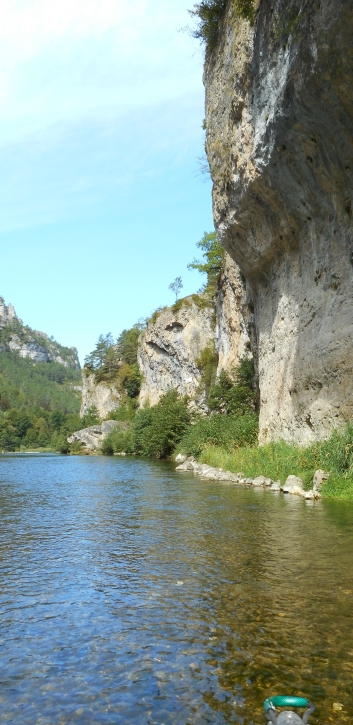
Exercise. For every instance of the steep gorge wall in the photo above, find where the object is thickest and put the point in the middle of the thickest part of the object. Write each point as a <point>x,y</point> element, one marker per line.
<point>279,115</point>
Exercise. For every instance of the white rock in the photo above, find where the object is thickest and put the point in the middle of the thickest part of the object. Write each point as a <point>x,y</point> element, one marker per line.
<point>259,481</point>
<point>93,436</point>
<point>293,485</point>
<point>105,397</point>
<point>320,478</point>
<point>180,458</point>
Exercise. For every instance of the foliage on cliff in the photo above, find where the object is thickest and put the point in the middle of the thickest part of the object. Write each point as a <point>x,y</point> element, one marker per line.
<point>116,362</point>
<point>158,430</point>
<point>212,264</point>
<point>208,14</point>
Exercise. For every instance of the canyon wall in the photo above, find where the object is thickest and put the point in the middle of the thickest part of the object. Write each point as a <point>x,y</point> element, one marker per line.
<point>279,119</point>
<point>32,344</point>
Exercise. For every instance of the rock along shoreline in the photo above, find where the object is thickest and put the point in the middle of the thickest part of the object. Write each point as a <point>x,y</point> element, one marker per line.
<point>293,485</point>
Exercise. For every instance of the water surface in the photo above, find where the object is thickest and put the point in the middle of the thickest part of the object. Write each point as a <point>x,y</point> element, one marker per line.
<point>134,594</point>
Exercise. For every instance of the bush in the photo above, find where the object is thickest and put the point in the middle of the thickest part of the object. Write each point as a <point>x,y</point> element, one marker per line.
<point>227,432</point>
<point>207,362</point>
<point>158,430</point>
<point>234,393</point>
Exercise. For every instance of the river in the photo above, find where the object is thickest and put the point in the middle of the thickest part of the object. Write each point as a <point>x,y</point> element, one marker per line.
<point>133,594</point>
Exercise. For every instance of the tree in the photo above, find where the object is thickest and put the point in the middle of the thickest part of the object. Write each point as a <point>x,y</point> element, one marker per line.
<point>176,286</point>
<point>213,254</point>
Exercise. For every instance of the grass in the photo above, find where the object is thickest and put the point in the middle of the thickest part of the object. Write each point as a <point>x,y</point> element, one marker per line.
<point>279,460</point>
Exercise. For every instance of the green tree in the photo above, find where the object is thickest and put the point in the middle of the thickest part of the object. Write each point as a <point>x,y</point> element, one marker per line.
<point>176,286</point>
<point>213,262</point>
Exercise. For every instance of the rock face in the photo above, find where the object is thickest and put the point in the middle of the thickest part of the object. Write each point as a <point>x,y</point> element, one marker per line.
<point>235,331</point>
<point>279,115</point>
<point>92,437</point>
<point>169,349</point>
<point>105,398</point>
<point>33,344</point>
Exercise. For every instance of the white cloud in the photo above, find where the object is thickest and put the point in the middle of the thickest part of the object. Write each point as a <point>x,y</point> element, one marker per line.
<point>69,59</point>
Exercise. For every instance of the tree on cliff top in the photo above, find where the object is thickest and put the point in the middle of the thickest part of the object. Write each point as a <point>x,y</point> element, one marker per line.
<point>176,286</point>
<point>213,255</point>
<point>208,14</point>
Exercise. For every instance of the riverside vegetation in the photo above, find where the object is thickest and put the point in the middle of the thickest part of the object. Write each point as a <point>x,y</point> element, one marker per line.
<point>227,436</point>
<point>39,408</point>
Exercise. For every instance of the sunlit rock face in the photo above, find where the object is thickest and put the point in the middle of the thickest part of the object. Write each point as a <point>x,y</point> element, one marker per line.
<point>235,334</point>
<point>103,396</point>
<point>169,350</point>
<point>279,115</point>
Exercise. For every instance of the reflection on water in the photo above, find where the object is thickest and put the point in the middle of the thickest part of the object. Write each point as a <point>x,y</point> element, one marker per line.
<point>131,594</point>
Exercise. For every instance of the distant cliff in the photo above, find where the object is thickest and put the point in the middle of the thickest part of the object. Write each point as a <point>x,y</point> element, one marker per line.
<point>104,396</point>
<point>28,343</point>
<point>279,139</point>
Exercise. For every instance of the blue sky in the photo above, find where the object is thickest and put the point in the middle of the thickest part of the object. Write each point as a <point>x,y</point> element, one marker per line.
<point>101,203</point>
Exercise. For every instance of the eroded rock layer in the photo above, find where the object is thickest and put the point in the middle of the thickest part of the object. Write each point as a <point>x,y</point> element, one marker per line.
<point>279,114</point>
<point>170,347</point>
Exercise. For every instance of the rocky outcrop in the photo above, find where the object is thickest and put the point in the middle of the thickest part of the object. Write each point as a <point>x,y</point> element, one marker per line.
<point>92,438</point>
<point>103,396</point>
<point>169,349</point>
<point>279,115</point>
<point>235,330</point>
<point>28,343</point>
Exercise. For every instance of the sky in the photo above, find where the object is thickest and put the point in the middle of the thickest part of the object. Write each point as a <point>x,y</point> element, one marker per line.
<point>101,199</point>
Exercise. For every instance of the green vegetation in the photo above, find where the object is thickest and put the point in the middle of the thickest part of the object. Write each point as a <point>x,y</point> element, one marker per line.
<point>213,262</point>
<point>226,432</point>
<point>39,403</point>
<point>279,460</point>
<point>116,362</point>
<point>209,13</point>
<point>155,432</point>
<point>207,362</point>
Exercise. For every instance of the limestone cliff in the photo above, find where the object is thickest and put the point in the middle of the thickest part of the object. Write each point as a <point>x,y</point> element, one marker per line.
<point>279,117</point>
<point>105,397</point>
<point>170,347</point>
<point>235,333</point>
<point>37,346</point>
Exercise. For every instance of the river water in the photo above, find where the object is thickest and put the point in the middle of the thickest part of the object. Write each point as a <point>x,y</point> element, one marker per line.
<point>134,594</point>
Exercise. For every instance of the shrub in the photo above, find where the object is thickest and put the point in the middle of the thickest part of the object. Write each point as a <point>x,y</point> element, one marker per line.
<point>227,432</point>
<point>158,430</point>
<point>207,362</point>
<point>233,392</point>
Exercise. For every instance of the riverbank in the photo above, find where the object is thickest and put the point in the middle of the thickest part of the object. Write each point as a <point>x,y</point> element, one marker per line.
<point>280,460</point>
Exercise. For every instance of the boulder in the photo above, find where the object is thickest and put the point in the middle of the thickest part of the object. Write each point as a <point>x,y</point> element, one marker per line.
<point>180,458</point>
<point>293,485</point>
<point>320,478</point>
<point>93,436</point>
